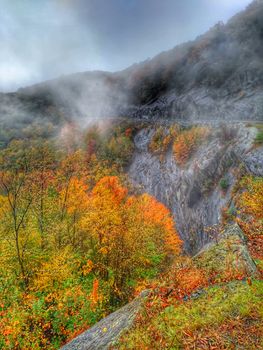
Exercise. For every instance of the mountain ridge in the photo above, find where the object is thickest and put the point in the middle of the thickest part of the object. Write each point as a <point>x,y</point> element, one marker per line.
<point>217,76</point>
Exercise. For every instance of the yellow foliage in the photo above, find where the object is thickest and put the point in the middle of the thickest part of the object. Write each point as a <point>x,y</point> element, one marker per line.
<point>155,213</point>
<point>86,269</point>
<point>75,195</point>
<point>3,205</point>
<point>252,199</point>
<point>53,272</point>
<point>163,138</point>
<point>250,203</point>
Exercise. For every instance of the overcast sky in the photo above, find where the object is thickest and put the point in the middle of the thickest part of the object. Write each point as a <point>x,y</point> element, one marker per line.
<point>42,39</point>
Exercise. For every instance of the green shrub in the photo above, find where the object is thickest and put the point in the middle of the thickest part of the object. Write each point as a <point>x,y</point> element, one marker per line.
<point>259,137</point>
<point>224,184</point>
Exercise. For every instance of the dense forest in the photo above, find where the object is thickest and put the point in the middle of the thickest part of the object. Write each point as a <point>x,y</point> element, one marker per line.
<point>78,239</point>
<point>75,237</point>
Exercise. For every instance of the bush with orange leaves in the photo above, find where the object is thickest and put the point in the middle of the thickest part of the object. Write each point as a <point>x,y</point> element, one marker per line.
<point>163,138</point>
<point>251,200</point>
<point>187,142</point>
<point>127,237</point>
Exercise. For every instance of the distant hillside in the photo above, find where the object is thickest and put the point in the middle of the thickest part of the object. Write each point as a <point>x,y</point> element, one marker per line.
<point>218,76</point>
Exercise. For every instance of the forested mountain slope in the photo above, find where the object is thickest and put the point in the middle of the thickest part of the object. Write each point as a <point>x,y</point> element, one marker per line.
<point>145,179</point>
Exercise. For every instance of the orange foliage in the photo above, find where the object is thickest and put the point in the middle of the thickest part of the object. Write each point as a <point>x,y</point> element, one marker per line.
<point>190,279</point>
<point>187,142</point>
<point>121,230</point>
<point>109,187</point>
<point>179,281</point>
<point>156,213</point>
<point>76,194</point>
<point>94,296</point>
<point>162,139</point>
<point>128,132</point>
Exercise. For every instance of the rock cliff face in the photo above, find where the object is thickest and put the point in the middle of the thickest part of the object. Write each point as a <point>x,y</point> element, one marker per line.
<point>193,192</point>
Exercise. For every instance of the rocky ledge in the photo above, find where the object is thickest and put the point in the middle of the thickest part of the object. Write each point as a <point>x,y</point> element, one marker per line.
<point>109,329</point>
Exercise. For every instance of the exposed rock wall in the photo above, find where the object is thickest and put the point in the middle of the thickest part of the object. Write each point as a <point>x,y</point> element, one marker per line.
<point>192,192</point>
<point>254,161</point>
<point>203,104</point>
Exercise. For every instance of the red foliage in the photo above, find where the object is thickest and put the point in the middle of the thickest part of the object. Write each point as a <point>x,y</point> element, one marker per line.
<point>128,132</point>
<point>110,185</point>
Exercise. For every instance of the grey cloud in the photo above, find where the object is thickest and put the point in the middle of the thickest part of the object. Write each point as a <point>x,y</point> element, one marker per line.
<point>45,39</point>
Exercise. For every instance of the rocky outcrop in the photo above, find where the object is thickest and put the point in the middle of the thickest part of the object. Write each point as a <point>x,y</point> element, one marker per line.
<point>109,329</point>
<point>254,161</point>
<point>229,254</point>
<point>192,192</point>
<point>204,104</point>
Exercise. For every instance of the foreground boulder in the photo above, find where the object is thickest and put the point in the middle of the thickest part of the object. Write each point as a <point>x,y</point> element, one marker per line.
<point>109,329</point>
<point>227,256</point>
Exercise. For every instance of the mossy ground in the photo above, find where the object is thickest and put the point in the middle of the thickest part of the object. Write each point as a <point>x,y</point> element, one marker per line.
<point>225,316</point>
<point>209,302</point>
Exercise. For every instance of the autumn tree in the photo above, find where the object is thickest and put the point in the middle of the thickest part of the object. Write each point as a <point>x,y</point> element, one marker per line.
<point>15,185</point>
<point>27,170</point>
<point>76,204</point>
<point>125,235</point>
<point>44,163</point>
<point>72,166</point>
